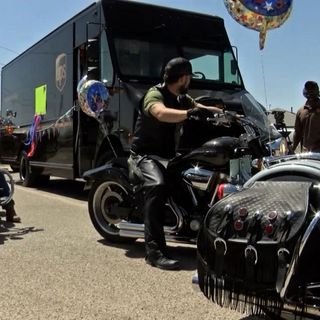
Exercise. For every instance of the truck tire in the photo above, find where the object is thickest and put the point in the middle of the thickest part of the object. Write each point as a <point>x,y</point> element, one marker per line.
<point>27,178</point>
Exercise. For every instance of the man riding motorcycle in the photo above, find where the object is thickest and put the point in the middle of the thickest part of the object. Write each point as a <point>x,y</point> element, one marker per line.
<point>155,137</point>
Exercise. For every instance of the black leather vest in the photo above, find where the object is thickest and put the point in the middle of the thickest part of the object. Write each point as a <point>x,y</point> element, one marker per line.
<point>152,137</point>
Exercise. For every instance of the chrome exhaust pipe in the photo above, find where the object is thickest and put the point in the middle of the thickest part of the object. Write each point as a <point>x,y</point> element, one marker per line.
<point>131,233</point>
<point>123,225</point>
<point>134,230</point>
<point>128,226</point>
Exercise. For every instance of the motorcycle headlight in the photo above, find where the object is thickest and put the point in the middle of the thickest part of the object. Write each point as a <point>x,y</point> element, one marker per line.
<point>279,147</point>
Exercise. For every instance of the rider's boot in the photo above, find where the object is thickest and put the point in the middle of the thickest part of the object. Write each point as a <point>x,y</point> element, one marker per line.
<point>159,260</point>
<point>11,215</point>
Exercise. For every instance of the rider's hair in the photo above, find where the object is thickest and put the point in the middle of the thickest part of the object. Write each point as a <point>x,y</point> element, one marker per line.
<point>176,68</point>
<point>311,89</point>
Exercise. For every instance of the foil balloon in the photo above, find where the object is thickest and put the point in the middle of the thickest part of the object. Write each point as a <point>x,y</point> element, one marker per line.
<point>92,96</point>
<point>260,15</point>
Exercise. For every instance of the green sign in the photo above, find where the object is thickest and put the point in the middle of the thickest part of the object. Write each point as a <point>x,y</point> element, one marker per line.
<point>41,100</point>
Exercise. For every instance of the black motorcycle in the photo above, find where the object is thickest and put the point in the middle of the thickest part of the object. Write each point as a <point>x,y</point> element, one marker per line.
<point>258,249</point>
<point>201,175</point>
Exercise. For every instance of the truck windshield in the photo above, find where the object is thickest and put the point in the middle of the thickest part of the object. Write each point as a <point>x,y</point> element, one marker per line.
<point>142,59</point>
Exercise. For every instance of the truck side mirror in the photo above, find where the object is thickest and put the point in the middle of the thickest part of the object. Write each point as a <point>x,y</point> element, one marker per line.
<point>233,67</point>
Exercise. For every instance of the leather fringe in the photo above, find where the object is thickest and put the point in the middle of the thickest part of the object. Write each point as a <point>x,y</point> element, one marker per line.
<point>232,294</point>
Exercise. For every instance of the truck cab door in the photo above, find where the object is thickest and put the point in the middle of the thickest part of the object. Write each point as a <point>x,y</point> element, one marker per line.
<point>95,62</point>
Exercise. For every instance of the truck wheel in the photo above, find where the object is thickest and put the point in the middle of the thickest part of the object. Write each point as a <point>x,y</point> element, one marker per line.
<point>26,176</point>
<point>103,197</point>
<point>29,178</point>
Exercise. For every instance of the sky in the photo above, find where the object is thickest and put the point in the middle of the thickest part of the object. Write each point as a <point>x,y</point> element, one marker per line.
<point>275,76</point>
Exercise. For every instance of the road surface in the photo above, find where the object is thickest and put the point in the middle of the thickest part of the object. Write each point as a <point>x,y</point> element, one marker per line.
<point>54,265</point>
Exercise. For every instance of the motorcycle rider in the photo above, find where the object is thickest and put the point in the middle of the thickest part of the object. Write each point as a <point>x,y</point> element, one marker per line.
<point>155,137</point>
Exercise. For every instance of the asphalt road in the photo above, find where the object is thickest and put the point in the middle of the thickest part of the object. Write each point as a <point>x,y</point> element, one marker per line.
<point>54,265</point>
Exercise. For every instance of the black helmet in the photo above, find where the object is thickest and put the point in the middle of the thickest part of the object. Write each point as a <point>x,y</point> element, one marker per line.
<point>176,68</point>
<point>311,89</point>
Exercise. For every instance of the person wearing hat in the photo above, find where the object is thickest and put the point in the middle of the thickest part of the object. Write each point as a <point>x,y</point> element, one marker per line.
<point>307,128</point>
<point>162,108</point>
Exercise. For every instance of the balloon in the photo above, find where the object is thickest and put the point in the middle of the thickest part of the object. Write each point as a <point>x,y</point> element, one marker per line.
<point>93,96</point>
<point>260,15</point>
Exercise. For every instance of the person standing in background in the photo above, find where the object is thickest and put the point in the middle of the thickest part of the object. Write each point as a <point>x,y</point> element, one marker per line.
<point>307,123</point>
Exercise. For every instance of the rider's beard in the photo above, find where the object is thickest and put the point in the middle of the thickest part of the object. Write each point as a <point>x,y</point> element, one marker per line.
<point>183,89</point>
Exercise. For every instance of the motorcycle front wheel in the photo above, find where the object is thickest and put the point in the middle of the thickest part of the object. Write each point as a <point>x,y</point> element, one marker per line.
<point>104,199</point>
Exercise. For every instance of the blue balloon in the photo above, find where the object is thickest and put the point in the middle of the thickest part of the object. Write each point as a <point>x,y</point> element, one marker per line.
<point>268,7</point>
<point>97,96</point>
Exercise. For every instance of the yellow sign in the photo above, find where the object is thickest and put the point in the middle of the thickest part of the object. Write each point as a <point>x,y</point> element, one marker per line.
<point>41,100</point>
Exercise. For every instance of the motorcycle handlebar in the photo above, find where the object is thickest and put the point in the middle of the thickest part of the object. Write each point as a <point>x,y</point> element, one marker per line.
<point>225,118</point>
<point>228,117</point>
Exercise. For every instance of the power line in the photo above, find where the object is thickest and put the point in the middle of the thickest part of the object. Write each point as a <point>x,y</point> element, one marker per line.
<point>5,48</point>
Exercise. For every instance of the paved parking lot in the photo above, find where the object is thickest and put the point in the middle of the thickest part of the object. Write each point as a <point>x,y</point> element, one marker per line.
<point>56,266</point>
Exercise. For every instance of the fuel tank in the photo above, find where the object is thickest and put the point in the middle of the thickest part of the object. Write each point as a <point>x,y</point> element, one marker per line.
<point>216,152</point>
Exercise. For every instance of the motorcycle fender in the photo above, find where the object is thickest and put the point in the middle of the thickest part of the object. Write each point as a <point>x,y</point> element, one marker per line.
<point>297,170</point>
<point>105,172</point>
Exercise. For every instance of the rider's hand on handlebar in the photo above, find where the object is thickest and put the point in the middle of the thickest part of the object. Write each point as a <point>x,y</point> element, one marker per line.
<point>197,113</point>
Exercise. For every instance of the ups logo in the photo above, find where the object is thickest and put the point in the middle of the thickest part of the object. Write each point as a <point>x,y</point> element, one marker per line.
<point>61,71</point>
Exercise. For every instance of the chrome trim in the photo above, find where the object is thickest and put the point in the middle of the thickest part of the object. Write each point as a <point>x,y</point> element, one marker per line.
<point>290,311</point>
<point>289,168</point>
<point>224,243</point>
<point>192,174</point>
<point>268,161</point>
<point>283,250</point>
<point>293,265</point>
<point>313,285</point>
<point>194,199</point>
<point>51,165</point>
<point>140,234</point>
<point>260,242</point>
<point>252,248</point>
<point>178,211</point>
<point>136,227</point>
<point>131,234</point>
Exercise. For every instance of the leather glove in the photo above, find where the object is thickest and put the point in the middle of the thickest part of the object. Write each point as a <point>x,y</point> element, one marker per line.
<point>199,114</point>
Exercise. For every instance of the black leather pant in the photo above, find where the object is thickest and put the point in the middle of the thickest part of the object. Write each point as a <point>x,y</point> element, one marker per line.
<point>155,193</point>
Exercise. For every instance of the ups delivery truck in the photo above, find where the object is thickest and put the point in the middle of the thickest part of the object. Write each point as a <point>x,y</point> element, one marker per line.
<point>124,44</point>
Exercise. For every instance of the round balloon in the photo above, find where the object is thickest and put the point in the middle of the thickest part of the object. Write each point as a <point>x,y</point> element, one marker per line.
<point>93,96</point>
<point>260,15</point>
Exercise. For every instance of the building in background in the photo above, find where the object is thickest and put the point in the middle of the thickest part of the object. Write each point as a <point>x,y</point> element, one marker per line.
<point>288,116</point>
